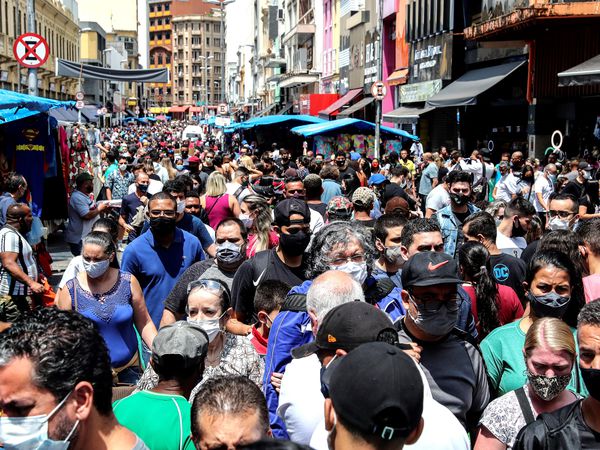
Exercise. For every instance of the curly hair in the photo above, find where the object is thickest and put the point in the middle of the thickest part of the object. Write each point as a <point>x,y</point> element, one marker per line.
<point>333,235</point>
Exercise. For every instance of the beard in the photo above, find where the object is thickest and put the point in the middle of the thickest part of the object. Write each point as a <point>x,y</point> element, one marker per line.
<point>63,427</point>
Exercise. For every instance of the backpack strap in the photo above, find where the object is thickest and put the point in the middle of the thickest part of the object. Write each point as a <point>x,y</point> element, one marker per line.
<point>213,205</point>
<point>237,192</point>
<point>378,290</point>
<point>13,281</point>
<point>295,303</point>
<point>524,405</point>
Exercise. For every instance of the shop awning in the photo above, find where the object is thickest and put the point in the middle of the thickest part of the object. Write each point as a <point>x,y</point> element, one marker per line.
<point>298,80</point>
<point>344,100</point>
<point>15,106</point>
<point>588,72</point>
<point>294,120</point>
<point>266,110</point>
<point>398,77</point>
<point>74,69</point>
<point>68,115</point>
<point>178,109</point>
<point>405,114</point>
<point>196,109</point>
<point>350,126</point>
<point>465,90</point>
<point>356,107</point>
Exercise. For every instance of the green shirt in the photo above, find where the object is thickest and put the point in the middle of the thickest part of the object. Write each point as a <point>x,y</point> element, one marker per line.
<point>502,352</point>
<point>162,421</point>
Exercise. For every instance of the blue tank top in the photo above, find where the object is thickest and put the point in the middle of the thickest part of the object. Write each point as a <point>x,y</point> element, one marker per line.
<point>112,314</point>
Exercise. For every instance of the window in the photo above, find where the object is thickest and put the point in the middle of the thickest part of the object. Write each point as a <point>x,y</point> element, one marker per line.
<point>217,56</point>
<point>217,42</point>
<point>159,59</point>
<point>208,27</point>
<point>151,8</point>
<point>168,58</point>
<point>217,28</point>
<point>167,7</point>
<point>207,41</point>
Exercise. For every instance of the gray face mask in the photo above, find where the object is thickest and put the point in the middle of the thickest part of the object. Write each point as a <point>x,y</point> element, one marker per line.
<point>435,323</point>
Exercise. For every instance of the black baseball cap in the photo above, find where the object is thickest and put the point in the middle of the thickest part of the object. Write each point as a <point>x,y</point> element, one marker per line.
<point>378,389</point>
<point>289,206</point>
<point>429,269</point>
<point>347,326</point>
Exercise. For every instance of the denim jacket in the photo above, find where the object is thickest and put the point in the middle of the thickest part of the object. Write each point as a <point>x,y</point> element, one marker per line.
<point>451,228</point>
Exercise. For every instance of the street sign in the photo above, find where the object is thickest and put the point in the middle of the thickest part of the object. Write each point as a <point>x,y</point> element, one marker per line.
<point>79,95</point>
<point>79,104</point>
<point>378,90</point>
<point>104,111</point>
<point>31,50</point>
<point>137,110</point>
<point>222,109</point>
<point>99,112</point>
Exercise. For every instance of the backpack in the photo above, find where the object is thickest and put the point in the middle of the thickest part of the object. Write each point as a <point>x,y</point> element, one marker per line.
<point>481,187</point>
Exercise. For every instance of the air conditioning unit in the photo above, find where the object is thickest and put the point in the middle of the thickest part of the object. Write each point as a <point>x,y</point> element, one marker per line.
<point>280,15</point>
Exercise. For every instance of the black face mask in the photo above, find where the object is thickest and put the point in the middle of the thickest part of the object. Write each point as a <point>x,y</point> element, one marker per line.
<point>517,229</point>
<point>142,187</point>
<point>459,199</point>
<point>162,225</point>
<point>591,379</point>
<point>294,244</point>
<point>340,163</point>
<point>549,305</point>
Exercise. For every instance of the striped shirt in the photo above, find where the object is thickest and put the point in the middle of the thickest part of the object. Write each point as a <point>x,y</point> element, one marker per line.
<point>12,241</point>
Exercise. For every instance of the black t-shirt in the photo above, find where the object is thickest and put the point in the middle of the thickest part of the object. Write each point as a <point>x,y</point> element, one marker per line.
<point>509,271</point>
<point>129,206</point>
<point>264,266</point>
<point>529,251</point>
<point>321,208</point>
<point>442,172</point>
<point>394,190</point>
<point>588,437</point>
<point>574,188</point>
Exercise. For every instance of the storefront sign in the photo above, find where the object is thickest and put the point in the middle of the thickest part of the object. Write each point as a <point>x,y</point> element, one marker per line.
<point>371,58</point>
<point>431,59</point>
<point>419,92</point>
<point>492,8</point>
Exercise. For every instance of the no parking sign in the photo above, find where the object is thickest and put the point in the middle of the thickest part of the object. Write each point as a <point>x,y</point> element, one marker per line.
<point>31,50</point>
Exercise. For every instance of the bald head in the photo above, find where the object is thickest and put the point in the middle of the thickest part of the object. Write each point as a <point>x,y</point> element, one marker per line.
<point>18,215</point>
<point>329,290</point>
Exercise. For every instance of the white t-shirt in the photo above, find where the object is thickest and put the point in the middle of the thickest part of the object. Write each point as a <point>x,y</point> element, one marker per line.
<point>154,186</point>
<point>510,246</point>
<point>472,166</point>
<point>73,269</point>
<point>232,189</point>
<point>441,429</point>
<point>438,198</point>
<point>544,187</point>
<point>509,186</point>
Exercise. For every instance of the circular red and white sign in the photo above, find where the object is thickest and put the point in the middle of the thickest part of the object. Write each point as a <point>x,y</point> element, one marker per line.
<point>79,104</point>
<point>31,50</point>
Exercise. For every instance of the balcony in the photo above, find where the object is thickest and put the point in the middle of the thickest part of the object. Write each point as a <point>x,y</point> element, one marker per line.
<point>159,27</point>
<point>302,31</point>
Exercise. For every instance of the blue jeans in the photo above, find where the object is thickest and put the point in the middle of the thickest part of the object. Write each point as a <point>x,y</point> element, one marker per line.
<point>131,375</point>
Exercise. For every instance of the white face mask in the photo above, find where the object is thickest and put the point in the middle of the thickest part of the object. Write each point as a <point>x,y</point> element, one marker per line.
<point>358,271</point>
<point>122,167</point>
<point>247,220</point>
<point>31,433</point>
<point>212,327</point>
<point>180,206</point>
<point>96,269</point>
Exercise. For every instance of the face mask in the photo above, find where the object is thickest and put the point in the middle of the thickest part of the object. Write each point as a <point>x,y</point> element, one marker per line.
<point>31,433</point>
<point>591,379</point>
<point>247,220</point>
<point>229,255</point>
<point>549,305</point>
<point>497,222</point>
<point>294,244</point>
<point>340,163</point>
<point>325,379</point>
<point>438,323</point>
<point>180,206</point>
<point>587,175</point>
<point>162,224</point>
<point>556,223</point>
<point>553,178</point>
<point>459,199</point>
<point>393,254</point>
<point>122,167</point>
<point>96,269</point>
<point>358,271</point>
<point>517,229</point>
<point>179,167</point>
<point>212,327</point>
<point>142,187</point>
<point>548,388</point>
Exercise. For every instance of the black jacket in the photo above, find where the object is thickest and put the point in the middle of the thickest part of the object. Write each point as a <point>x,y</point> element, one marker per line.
<point>551,431</point>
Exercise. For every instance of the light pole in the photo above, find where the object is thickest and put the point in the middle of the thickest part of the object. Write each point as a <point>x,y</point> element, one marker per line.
<point>205,80</point>
<point>222,4</point>
<point>379,76</point>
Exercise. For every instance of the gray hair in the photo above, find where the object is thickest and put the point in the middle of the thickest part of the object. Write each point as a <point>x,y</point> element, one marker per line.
<point>328,291</point>
<point>589,314</point>
<point>495,206</point>
<point>335,234</point>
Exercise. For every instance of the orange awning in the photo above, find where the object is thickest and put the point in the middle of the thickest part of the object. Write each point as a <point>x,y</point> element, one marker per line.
<point>196,109</point>
<point>398,77</point>
<point>335,106</point>
<point>178,109</point>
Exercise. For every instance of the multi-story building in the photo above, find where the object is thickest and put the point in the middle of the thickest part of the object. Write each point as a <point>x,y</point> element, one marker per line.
<point>58,26</point>
<point>239,37</point>
<point>93,51</point>
<point>127,41</point>
<point>330,80</point>
<point>160,52</point>
<point>197,62</point>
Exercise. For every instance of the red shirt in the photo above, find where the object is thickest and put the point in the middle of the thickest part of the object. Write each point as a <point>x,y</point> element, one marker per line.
<point>509,305</point>
<point>259,342</point>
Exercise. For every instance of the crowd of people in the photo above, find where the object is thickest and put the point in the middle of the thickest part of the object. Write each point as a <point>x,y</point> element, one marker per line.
<point>245,297</point>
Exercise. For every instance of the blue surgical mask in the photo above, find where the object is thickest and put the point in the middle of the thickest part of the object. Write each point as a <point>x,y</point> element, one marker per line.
<point>31,433</point>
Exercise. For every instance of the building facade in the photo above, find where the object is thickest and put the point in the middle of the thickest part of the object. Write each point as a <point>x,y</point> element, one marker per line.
<point>160,49</point>
<point>58,26</point>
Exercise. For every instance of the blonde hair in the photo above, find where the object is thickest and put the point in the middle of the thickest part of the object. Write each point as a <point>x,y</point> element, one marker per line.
<point>247,162</point>
<point>166,163</point>
<point>550,332</point>
<point>262,222</point>
<point>215,185</point>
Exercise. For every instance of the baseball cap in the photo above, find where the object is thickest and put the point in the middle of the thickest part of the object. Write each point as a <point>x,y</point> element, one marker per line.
<point>378,389</point>
<point>377,179</point>
<point>397,205</point>
<point>340,205</point>
<point>584,166</point>
<point>289,206</point>
<point>193,159</point>
<point>184,342</point>
<point>83,176</point>
<point>363,196</point>
<point>429,269</point>
<point>347,326</point>
<point>354,156</point>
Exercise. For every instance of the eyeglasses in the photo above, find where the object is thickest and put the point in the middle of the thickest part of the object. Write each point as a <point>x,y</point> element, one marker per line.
<point>429,305</point>
<point>561,214</point>
<point>356,258</point>
<point>158,213</point>
<point>210,285</point>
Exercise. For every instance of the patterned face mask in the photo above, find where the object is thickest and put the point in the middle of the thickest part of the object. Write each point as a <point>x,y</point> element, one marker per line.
<point>548,388</point>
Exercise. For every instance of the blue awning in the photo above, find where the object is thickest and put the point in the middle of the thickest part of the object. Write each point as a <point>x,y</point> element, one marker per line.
<point>15,106</point>
<point>350,125</point>
<point>294,120</point>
